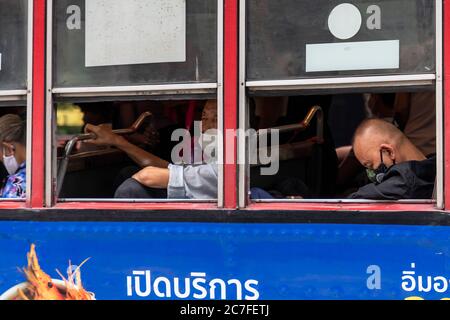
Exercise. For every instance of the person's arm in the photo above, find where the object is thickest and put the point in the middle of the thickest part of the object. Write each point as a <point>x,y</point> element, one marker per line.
<point>105,137</point>
<point>182,181</point>
<point>348,168</point>
<point>153,177</point>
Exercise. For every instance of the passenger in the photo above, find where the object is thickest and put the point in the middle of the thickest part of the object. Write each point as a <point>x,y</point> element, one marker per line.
<point>415,112</point>
<point>159,178</point>
<point>96,113</point>
<point>291,110</point>
<point>415,115</point>
<point>127,112</point>
<point>397,168</point>
<point>13,142</point>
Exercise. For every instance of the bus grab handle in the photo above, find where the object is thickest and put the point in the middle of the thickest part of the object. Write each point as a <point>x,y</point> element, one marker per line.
<point>62,168</point>
<point>313,111</point>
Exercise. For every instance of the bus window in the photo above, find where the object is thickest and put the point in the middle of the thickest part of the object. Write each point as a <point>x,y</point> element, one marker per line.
<point>315,72</point>
<point>126,78</point>
<point>130,139</point>
<point>315,147</point>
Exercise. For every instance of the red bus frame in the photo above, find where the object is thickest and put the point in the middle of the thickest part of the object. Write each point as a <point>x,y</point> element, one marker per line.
<point>231,85</point>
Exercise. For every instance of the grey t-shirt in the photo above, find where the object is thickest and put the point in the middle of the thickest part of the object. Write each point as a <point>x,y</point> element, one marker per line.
<point>192,181</point>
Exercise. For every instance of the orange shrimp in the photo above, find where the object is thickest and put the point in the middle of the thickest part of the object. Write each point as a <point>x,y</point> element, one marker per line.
<point>74,287</point>
<point>40,286</point>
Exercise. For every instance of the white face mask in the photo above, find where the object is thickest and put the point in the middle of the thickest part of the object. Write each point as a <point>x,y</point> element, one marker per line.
<point>10,163</point>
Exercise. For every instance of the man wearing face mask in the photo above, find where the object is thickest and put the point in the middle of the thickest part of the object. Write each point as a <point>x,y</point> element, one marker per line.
<point>159,178</point>
<point>13,146</point>
<point>396,167</point>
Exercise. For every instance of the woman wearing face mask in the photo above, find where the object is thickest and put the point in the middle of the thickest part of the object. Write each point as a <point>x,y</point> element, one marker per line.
<point>13,145</point>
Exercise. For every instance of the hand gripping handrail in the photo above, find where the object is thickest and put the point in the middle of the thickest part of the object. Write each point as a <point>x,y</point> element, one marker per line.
<point>62,168</point>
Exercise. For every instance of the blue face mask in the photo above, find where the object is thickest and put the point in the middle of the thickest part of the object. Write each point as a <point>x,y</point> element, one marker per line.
<point>377,175</point>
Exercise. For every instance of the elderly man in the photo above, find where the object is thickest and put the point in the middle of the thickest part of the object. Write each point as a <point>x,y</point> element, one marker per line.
<point>397,168</point>
<point>159,178</point>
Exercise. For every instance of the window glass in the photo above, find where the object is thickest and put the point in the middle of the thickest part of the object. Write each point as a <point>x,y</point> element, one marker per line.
<point>137,42</point>
<point>13,44</point>
<point>290,39</point>
<point>314,150</point>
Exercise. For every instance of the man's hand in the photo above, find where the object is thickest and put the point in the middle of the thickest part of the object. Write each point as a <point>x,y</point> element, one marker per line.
<point>104,135</point>
<point>153,177</point>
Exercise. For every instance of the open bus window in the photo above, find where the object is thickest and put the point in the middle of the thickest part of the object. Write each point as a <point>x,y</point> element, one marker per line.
<point>320,157</point>
<point>135,150</point>
<point>125,78</point>
<point>315,72</point>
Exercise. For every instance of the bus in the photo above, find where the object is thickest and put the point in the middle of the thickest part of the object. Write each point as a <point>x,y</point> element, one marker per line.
<point>306,70</point>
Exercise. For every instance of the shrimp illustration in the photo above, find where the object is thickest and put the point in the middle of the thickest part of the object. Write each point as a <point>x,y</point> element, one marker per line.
<point>74,287</point>
<point>41,287</point>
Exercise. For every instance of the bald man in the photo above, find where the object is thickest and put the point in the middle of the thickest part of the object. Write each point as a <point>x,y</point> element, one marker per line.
<point>397,168</point>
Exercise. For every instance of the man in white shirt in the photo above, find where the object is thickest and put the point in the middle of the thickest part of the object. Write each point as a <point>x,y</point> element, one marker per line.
<point>159,178</point>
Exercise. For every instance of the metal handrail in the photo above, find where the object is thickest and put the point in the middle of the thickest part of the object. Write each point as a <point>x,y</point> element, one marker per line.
<point>314,111</point>
<point>305,124</point>
<point>62,168</point>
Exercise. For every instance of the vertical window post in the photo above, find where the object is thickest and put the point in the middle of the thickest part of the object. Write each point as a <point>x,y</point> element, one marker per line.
<point>446,87</point>
<point>36,199</point>
<point>230,101</point>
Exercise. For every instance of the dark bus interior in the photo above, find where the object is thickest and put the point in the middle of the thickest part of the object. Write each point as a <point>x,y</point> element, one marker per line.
<point>95,172</point>
<point>314,157</point>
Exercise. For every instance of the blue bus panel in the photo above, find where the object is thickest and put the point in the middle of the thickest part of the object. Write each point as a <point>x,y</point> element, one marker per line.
<point>253,261</point>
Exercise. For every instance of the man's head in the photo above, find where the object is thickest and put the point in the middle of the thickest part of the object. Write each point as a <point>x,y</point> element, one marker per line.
<point>96,113</point>
<point>209,115</point>
<point>378,144</point>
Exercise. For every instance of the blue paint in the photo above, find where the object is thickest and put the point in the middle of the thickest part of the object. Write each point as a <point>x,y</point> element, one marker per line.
<point>289,261</point>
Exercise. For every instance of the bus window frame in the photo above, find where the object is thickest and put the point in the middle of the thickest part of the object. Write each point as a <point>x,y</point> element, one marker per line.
<point>49,199</point>
<point>346,83</point>
<point>15,96</point>
<point>232,91</point>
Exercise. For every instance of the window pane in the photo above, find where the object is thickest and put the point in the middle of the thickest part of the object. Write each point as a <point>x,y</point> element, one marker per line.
<point>13,44</point>
<point>314,155</point>
<point>290,39</point>
<point>137,42</point>
<point>167,132</point>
